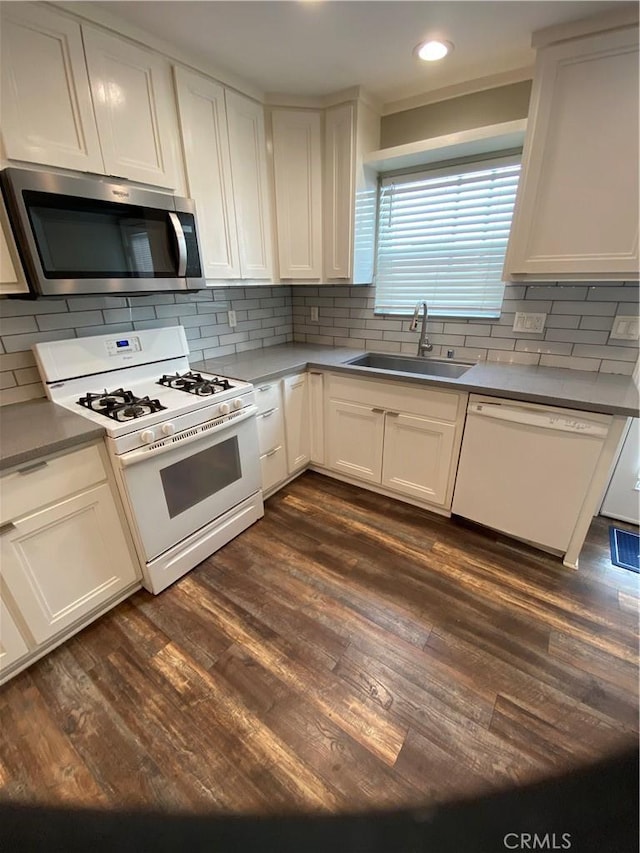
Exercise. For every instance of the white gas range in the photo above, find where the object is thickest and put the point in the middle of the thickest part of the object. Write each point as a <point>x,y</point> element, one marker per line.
<point>183,444</point>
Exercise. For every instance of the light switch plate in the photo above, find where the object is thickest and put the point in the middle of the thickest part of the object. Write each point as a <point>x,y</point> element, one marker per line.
<point>232,319</point>
<point>625,328</point>
<point>531,323</point>
<point>314,314</point>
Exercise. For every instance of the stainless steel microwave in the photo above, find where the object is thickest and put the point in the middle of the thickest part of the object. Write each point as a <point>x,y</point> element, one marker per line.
<point>89,235</point>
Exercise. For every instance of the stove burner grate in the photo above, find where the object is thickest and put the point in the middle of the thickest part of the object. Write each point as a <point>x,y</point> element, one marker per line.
<point>120,405</point>
<point>195,383</point>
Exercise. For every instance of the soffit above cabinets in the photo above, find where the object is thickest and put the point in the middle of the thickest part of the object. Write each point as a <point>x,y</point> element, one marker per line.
<point>465,143</point>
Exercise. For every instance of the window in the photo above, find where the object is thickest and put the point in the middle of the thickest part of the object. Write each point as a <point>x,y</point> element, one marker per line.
<point>442,237</point>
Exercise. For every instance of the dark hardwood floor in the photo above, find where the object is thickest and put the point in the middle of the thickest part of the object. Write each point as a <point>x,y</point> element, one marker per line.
<point>347,651</point>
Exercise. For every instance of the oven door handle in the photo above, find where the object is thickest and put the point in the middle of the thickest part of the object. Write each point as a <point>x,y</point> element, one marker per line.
<point>180,242</point>
<point>164,445</point>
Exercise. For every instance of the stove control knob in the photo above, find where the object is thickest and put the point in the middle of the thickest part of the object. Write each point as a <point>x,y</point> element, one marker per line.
<point>148,436</point>
<point>224,408</point>
<point>168,429</point>
<point>237,403</point>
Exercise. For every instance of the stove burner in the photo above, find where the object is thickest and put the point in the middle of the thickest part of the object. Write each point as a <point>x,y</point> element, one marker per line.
<point>195,383</point>
<point>120,405</point>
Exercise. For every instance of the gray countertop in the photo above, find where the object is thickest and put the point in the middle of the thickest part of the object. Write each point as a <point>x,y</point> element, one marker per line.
<point>37,428</point>
<point>574,389</point>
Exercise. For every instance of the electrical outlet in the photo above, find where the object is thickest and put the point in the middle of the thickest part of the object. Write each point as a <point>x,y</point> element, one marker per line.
<point>624,328</point>
<point>314,314</point>
<point>531,323</point>
<point>232,319</point>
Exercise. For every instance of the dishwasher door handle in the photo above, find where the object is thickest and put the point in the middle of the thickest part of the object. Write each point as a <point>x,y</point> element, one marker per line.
<point>539,418</point>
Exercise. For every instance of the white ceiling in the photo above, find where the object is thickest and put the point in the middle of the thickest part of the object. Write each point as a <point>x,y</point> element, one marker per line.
<point>315,47</point>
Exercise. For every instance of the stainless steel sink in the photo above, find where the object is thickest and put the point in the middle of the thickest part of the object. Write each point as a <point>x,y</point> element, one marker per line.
<point>409,364</point>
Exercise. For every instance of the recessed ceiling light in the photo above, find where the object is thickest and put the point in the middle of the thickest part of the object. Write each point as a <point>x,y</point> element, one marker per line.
<point>433,50</point>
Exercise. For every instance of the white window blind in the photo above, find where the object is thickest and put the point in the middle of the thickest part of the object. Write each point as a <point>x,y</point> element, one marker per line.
<point>442,237</point>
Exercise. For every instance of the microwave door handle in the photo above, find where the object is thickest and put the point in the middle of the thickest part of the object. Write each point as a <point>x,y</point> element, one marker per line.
<point>180,242</point>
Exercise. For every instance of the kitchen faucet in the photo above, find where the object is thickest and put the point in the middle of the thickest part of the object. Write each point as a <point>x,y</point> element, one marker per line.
<point>424,344</point>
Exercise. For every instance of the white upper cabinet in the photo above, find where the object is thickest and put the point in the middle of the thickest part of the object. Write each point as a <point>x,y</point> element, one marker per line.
<point>47,115</point>
<point>325,194</point>
<point>576,214</point>
<point>339,135</point>
<point>135,109</point>
<point>297,166</point>
<point>248,153</point>
<point>12,279</point>
<point>203,122</point>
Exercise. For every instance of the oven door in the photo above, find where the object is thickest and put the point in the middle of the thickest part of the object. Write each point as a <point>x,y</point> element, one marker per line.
<point>190,480</point>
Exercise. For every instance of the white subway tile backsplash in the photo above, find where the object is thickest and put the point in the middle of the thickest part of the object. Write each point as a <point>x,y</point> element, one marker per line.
<point>555,292</point>
<point>382,346</point>
<point>568,321</point>
<point>19,307</point>
<point>70,320</point>
<point>576,336</point>
<point>579,319</point>
<point>624,367</point>
<point>622,353</point>
<point>591,364</point>
<point>128,315</point>
<point>107,329</point>
<point>546,347</point>
<point>176,310</point>
<point>22,393</point>
<point>609,292</point>
<point>464,328</point>
<point>494,343</point>
<point>601,309</point>
<point>7,379</point>
<point>26,375</point>
<point>15,360</point>
<point>603,324</point>
<point>18,343</point>
<point>17,325</point>
<point>511,357</point>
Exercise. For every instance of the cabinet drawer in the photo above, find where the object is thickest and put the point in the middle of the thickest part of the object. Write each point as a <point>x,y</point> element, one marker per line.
<point>268,396</point>
<point>41,482</point>
<point>270,430</point>
<point>274,467</point>
<point>399,397</point>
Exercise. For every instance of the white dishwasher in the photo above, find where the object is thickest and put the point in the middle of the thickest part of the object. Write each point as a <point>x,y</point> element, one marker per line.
<point>525,469</point>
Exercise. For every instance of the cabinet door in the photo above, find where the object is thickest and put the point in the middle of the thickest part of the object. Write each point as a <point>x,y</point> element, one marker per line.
<point>297,169</point>
<point>47,115</point>
<point>355,436</point>
<point>248,150</point>
<point>339,190</point>
<point>316,418</point>
<point>12,278</point>
<point>417,457</point>
<point>203,124</point>
<point>13,646</point>
<point>577,205</point>
<point>135,109</point>
<point>296,419</point>
<point>61,563</point>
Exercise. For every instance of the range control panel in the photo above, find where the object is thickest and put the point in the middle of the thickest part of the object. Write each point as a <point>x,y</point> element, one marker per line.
<point>121,346</point>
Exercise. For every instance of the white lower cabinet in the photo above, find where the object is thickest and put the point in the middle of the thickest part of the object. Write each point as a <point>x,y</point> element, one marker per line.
<point>403,438</point>
<point>355,435</point>
<point>296,418</point>
<point>65,556</point>
<point>283,429</point>
<point>417,456</point>
<point>13,645</point>
<point>271,439</point>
